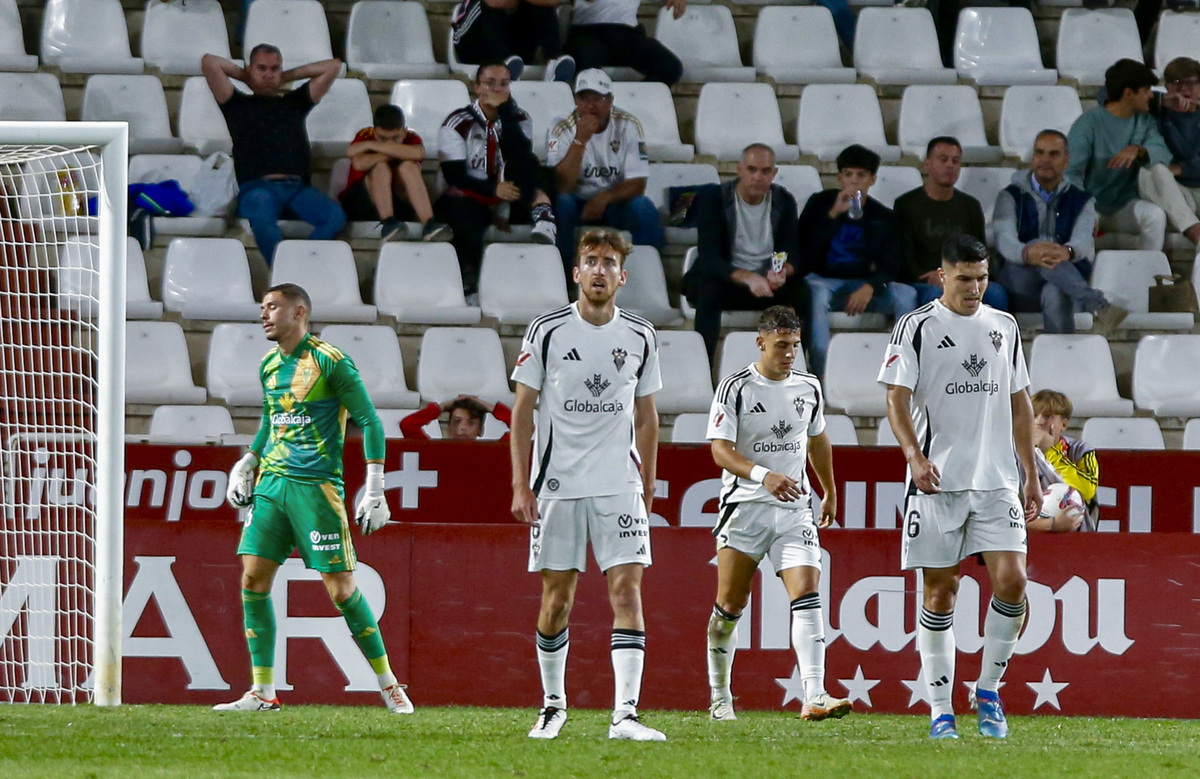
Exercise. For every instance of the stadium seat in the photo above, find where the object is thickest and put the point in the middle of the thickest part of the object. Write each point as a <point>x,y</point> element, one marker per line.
<point>87,36</point>
<point>518,282</point>
<point>851,371</point>
<point>326,269</point>
<point>803,181</point>
<point>138,304</point>
<point>297,27</point>
<point>426,104</point>
<point>929,111</point>
<point>645,290</point>
<point>739,348</point>
<point>78,281</point>
<point>334,122</point>
<point>235,352</point>
<point>984,184</point>
<point>1026,111</point>
<point>12,40</point>
<point>31,97</point>
<point>391,418</point>
<point>41,198</point>
<point>462,361</point>
<point>892,181</point>
<point>532,72</point>
<point>798,45</point>
<point>176,35</point>
<point>155,168</point>
<point>545,102</point>
<point>833,116</point>
<point>1125,277</point>
<point>731,116</point>
<point>389,39</point>
<point>1166,375</point>
<point>899,46</point>
<point>376,352</point>
<point>191,423</point>
<point>999,46</point>
<point>137,100</point>
<point>1178,36</point>
<point>884,435</point>
<point>421,283</point>
<point>691,428</point>
<point>1090,41</point>
<point>209,278</point>
<point>651,103</point>
<point>686,376</point>
<point>840,429</point>
<point>1191,435</point>
<point>744,320</point>
<point>705,41</point>
<point>664,176</point>
<point>157,366</point>
<point>202,126</point>
<point>1137,433</point>
<point>1081,367</point>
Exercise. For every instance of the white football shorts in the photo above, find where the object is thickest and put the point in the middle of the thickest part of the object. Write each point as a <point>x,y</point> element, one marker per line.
<point>787,535</point>
<point>616,524</point>
<point>941,530</point>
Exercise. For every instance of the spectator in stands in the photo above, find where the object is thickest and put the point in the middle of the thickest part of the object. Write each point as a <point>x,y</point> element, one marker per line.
<point>606,33</point>
<point>1062,459</point>
<point>511,31</point>
<point>600,164</point>
<point>1043,225</point>
<point>271,154</point>
<point>491,172</point>
<point>929,214</point>
<point>747,225</point>
<point>385,178</point>
<point>1111,144</point>
<point>467,413</point>
<point>847,248</point>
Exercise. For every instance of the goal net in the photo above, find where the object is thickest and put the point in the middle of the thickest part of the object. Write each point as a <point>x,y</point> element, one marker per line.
<point>62,290</point>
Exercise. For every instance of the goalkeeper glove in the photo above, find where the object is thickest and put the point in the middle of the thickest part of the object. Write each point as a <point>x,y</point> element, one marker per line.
<point>372,511</point>
<point>241,481</point>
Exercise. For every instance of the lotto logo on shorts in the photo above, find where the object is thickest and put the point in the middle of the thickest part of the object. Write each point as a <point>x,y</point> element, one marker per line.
<point>628,522</point>
<point>321,541</point>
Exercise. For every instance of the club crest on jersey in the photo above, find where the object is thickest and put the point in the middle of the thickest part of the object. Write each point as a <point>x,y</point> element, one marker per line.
<point>615,145</point>
<point>799,404</point>
<point>619,356</point>
<point>596,385</point>
<point>997,339</point>
<point>782,429</point>
<point>974,365</point>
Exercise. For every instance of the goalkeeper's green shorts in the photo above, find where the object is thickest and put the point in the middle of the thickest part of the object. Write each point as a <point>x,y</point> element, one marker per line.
<point>311,516</point>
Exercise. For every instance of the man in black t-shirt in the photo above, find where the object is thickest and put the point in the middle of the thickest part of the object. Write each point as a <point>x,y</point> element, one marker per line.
<point>271,155</point>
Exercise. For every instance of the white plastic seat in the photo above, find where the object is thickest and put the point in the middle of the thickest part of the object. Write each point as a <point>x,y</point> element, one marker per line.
<point>392,417</point>
<point>651,103</point>
<point>235,352</point>
<point>690,428</point>
<point>1090,41</point>
<point>462,361</point>
<point>202,126</point>
<point>518,282</point>
<point>799,45</point>
<point>176,35</point>
<point>155,168</point>
<point>421,283</point>
<point>137,100</point>
<point>544,101</point>
<point>757,121</point>
<point>744,320</point>
<point>1191,435</point>
<point>884,435</point>
<point>1166,375</point>
<point>333,122</point>
<point>327,271</point>
<point>78,280</point>
<point>532,72</point>
<point>1081,367</point>
<point>1125,277</point>
<point>157,366</point>
<point>852,366</point>
<point>803,181</point>
<point>87,36</point>
<point>899,46</point>
<point>376,352</point>
<point>426,104</point>
<point>191,423</point>
<point>662,177</point>
<point>297,27</point>
<point>31,97</point>
<point>840,429</point>
<point>738,349</point>
<point>389,39</point>
<point>12,40</point>
<point>39,189</point>
<point>834,116</point>
<point>984,184</point>
<point>1178,36</point>
<point>138,304</point>
<point>705,41</point>
<point>999,46</point>
<point>1026,111</point>
<point>686,376</point>
<point>892,181</point>
<point>929,111</point>
<point>645,290</point>
<point>209,278</point>
<point>1137,433</point>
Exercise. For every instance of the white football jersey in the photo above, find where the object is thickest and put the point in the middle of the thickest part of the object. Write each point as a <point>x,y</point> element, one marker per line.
<point>769,423</point>
<point>616,154</point>
<point>588,378</point>
<point>963,371</point>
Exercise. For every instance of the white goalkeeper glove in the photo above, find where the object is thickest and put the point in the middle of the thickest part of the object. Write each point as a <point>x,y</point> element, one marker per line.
<point>372,511</point>
<point>241,481</point>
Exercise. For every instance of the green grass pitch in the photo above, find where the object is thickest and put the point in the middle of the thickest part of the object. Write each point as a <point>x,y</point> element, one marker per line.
<point>325,741</point>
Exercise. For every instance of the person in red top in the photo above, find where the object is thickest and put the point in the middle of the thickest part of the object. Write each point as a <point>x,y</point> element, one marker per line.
<point>466,418</point>
<point>385,179</point>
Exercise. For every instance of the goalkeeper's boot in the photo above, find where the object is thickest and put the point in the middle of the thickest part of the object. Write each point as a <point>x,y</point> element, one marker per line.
<point>549,722</point>
<point>991,713</point>
<point>825,706</point>
<point>943,727</point>
<point>397,700</point>
<point>251,701</point>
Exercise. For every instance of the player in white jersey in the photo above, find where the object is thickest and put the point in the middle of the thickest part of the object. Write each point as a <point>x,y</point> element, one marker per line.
<point>595,368</point>
<point>767,421</point>
<point>958,402</point>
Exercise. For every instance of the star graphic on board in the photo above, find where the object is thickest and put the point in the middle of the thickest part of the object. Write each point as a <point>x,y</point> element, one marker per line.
<point>1047,691</point>
<point>859,688</point>
<point>916,689</point>
<point>793,687</point>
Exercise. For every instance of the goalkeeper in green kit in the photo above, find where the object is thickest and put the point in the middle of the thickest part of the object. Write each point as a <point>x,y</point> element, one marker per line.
<point>298,501</point>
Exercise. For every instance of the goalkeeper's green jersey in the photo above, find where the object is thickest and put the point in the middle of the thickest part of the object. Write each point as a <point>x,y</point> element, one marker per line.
<point>306,396</point>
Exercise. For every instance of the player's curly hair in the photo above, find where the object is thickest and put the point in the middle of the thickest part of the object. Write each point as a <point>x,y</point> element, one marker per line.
<point>604,236</point>
<point>778,318</point>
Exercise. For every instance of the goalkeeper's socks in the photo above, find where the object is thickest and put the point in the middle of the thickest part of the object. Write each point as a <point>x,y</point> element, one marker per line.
<point>363,626</point>
<point>258,616</point>
<point>935,642</point>
<point>383,672</point>
<point>1001,628</point>
<point>552,663</point>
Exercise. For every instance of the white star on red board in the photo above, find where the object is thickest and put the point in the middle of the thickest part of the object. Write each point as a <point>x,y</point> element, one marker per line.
<point>859,688</point>
<point>793,687</point>
<point>1047,691</point>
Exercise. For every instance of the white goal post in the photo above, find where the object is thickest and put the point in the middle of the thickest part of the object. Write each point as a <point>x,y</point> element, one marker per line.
<point>62,410</point>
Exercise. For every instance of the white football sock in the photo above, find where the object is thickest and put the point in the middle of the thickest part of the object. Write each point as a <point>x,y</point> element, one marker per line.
<point>722,644</point>
<point>628,659</point>
<point>808,639</point>
<point>1001,628</point>
<point>552,663</point>
<point>265,691</point>
<point>935,642</point>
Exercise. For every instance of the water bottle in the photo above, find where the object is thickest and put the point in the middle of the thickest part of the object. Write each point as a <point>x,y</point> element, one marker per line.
<point>856,205</point>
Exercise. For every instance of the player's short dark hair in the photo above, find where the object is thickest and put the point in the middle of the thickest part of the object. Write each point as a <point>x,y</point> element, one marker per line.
<point>604,236</point>
<point>490,63</point>
<point>472,406</point>
<point>1048,401</point>
<point>1056,133</point>
<point>858,156</point>
<point>292,293</point>
<point>759,147</point>
<point>949,140</point>
<point>963,248</point>
<point>778,318</point>
<point>1127,74</point>
<point>263,48</point>
<point>389,117</point>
